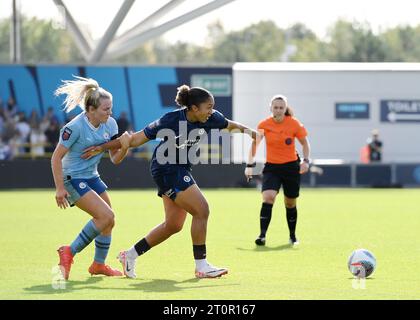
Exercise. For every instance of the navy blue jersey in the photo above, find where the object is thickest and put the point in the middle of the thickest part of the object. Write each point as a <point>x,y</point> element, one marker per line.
<point>178,137</point>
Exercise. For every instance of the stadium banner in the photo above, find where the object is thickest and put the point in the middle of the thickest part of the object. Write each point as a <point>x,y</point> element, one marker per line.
<point>352,110</point>
<point>401,111</point>
<point>144,93</point>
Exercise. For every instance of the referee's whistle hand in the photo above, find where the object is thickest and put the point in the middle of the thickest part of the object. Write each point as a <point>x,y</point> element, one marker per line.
<point>304,167</point>
<point>248,174</point>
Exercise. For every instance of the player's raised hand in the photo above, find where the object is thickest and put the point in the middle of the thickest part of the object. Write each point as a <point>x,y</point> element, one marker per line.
<point>91,152</point>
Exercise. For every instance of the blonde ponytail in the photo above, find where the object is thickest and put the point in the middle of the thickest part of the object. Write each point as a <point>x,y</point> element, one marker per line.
<point>82,92</point>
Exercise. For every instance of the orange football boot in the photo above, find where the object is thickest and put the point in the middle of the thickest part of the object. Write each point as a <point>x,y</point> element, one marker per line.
<point>66,260</point>
<point>101,268</point>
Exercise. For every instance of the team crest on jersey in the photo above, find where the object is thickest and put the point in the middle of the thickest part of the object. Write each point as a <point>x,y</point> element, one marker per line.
<point>201,132</point>
<point>106,135</point>
<point>66,133</point>
<point>187,179</point>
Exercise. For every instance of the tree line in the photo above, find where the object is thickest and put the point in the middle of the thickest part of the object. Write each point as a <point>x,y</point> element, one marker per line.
<point>264,41</point>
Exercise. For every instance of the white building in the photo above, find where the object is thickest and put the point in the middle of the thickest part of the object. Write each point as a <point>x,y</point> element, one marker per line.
<point>339,104</point>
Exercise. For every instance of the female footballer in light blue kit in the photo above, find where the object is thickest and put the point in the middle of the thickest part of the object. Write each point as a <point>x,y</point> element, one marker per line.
<point>77,180</point>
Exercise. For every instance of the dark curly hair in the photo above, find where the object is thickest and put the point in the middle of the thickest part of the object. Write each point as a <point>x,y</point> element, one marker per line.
<point>186,96</point>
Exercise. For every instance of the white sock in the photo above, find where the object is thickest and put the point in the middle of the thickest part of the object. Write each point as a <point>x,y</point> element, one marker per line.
<point>132,253</point>
<point>200,264</point>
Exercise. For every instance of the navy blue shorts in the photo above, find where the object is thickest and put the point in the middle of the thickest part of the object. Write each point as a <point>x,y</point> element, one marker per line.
<point>172,183</point>
<point>78,187</point>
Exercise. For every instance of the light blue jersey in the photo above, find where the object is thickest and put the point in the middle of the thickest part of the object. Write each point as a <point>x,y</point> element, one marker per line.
<point>78,135</point>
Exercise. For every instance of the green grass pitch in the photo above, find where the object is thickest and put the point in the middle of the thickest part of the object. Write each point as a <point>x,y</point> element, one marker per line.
<point>331,224</point>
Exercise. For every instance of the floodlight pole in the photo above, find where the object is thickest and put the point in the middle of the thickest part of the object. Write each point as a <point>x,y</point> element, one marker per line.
<point>138,39</point>
<point>15,39</point>
<point>80,40</point>
<point>100,49</point>
<point>147,23</point>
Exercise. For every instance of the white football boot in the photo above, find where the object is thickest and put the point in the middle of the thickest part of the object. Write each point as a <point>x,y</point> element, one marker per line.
<point>128,264</point>
<point>209,271</point>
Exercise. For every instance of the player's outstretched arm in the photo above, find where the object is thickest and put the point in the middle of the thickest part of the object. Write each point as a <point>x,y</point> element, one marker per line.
<point>122,142</point>
<point>137,139</point>
<point>234,126</point>
<point>256,136</point>
<point>127,141</point>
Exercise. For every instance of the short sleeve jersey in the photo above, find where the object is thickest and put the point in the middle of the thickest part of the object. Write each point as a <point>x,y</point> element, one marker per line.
<point>187,135</point>
<point>280,138</point>
<point>78,135</point>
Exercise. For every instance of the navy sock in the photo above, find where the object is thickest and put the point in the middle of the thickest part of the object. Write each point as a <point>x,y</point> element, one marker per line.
<point>199,251</point>
<point>142,246</point>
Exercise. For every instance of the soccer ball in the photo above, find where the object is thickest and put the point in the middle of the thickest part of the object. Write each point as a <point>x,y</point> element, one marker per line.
<point>361,263</point>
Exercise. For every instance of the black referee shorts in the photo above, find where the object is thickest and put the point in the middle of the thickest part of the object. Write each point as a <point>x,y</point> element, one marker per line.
<point>285,174</point>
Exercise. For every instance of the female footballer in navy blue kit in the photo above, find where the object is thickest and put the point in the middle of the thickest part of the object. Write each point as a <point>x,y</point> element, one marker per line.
<point>176,185</point>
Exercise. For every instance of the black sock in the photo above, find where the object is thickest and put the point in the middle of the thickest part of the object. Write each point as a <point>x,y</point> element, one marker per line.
<point>265,218</point>
<point>199,251</point>
<point>142,246</point>
<point>291,215</point>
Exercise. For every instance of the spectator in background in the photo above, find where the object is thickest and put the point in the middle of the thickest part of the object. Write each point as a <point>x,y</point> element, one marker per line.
<point>123,123</point>
<point>53,134</point>
<point>5,150</point>
<point>48,118</point>
<point>38,141</point>
<point>50,115</point>
<point>375,147</point>
<point>2,119</point>
<point>34,119</point>
<point>24,130</point>
<point>12,108</point>
<point>9,129</point>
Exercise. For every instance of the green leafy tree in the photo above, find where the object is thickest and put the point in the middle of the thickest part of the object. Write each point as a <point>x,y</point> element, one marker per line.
<point>4,41</point>
<point>353,42</point>
<point>259,42</point>
<point>402,44</point>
